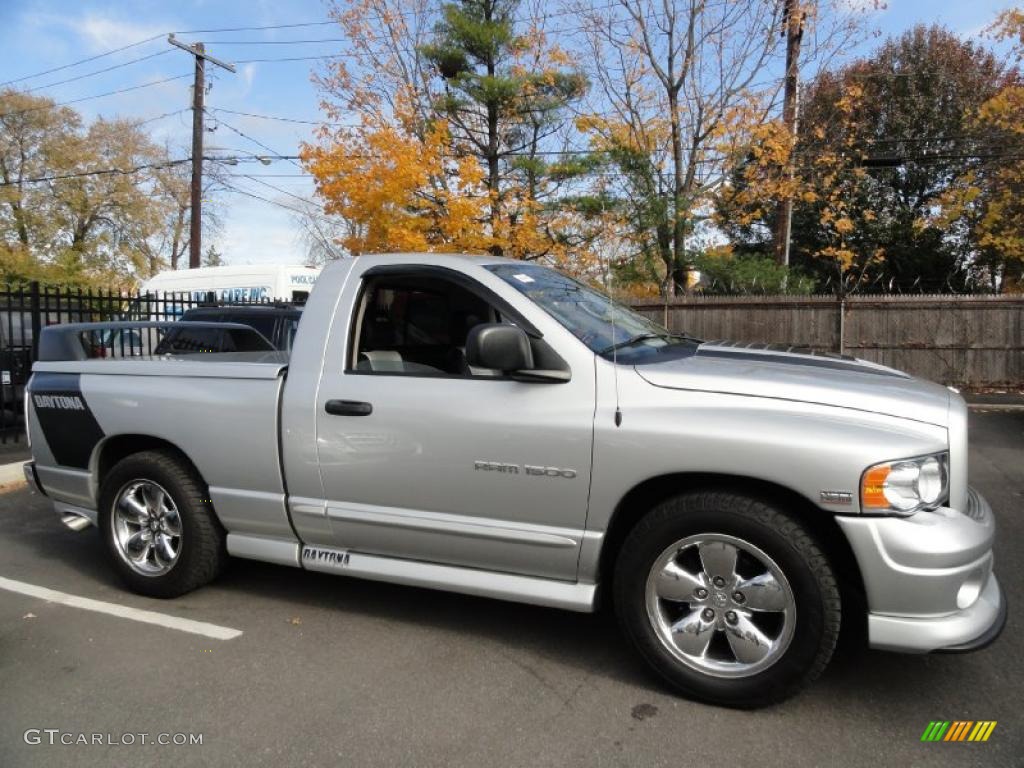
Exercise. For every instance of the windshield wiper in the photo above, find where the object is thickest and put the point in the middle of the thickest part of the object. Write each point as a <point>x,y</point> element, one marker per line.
<point>645,337</point>
<point>634,340</point>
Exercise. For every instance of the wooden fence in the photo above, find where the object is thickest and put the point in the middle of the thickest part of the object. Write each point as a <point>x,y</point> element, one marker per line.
<point>974,341</point>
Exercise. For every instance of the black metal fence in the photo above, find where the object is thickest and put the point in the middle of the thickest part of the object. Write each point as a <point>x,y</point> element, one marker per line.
<point>25,310</point>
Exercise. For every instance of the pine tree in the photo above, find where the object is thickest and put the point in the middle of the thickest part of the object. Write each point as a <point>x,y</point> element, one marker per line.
<point>504,93</point>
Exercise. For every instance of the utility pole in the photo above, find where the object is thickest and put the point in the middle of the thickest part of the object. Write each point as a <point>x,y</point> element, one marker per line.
<point>198,50</point>
<point>793,22</point>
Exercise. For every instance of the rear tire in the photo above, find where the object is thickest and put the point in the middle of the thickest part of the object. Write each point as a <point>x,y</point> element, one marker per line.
<point>159,526</point>
<point>728,598</point>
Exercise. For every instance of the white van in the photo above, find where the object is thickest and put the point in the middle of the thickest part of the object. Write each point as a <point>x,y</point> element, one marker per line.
<point>236,283</point>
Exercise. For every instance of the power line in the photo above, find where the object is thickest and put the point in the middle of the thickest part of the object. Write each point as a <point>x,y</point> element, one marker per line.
<point>96,72</point>
<point>298,58</point>
<point>303,212</point>
<point>257,179</point>
<point>284,119</point>
<point>255,29</point>
<point>870,140</point>
<point>401,14</point>
<point>307,215</point>
<point>149,40</point>
<point>278,203</point>
<point>542,17</point>
<point>279,42</point>
<point>84,61</point>
<point>870,162</point>
<point>135,168</point>
<point>160,117</point>
<point>923,139</point>
<point>254,158</point>
<point>98,172</point>
<point>95,96</point>
<point>258,143</point>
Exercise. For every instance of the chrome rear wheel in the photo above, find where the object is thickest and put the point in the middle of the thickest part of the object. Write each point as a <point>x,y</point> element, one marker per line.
<point>146,528</point>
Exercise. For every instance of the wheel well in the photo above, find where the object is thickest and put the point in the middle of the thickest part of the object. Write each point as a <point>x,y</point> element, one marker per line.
<point>121,446</point>
<point>820,523</point>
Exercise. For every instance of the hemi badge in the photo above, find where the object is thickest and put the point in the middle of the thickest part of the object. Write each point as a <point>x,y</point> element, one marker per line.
<point>836,497</point>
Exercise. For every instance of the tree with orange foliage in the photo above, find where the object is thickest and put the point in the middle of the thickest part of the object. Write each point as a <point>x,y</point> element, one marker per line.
<point>458,105</point>
<point>399,190</point>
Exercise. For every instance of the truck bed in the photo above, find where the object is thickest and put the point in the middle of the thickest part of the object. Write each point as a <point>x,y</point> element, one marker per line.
<point>220,409</point>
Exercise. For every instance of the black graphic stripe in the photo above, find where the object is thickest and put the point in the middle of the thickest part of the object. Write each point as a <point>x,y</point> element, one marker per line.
<point>68,424</point>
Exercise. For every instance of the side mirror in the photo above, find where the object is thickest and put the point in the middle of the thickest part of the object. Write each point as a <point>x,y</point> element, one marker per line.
<point>500,347</point>
<point>506,348</point>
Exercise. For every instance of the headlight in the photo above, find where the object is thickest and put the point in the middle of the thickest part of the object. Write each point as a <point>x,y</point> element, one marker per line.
<point>906,486</point>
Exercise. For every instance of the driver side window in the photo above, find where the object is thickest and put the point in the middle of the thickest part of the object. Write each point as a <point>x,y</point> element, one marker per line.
<point>417,327</point>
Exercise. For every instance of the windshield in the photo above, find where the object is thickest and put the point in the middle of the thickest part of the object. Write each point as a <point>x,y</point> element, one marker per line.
<point>607,328</point>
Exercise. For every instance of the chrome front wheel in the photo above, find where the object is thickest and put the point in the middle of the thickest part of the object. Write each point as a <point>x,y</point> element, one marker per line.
<point>729,598</point>
<point>146,528</point>
<point>720,605</point>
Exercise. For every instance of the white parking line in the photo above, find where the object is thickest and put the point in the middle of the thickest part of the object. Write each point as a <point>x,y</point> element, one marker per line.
<point>121,611</point>
<point>12,474</point>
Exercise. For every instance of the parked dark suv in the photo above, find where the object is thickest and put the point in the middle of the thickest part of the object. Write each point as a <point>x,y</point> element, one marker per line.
<point>277,322</point>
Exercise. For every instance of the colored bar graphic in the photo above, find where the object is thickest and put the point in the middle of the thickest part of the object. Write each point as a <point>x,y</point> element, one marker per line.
<point>958,730</point>
<point>935,730</point>
<point>983,730</point>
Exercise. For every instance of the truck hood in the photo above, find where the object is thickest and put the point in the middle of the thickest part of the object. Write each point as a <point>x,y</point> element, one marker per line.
<point>786,373</point>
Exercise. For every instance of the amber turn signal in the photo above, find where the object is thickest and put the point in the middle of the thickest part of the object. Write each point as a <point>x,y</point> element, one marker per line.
<point>872,490</point>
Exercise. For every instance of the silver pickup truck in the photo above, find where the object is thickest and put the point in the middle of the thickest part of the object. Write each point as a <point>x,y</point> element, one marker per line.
<point>496,428</point>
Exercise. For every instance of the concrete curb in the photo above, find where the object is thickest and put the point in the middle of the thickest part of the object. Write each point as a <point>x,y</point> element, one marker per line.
<point>12,474</point>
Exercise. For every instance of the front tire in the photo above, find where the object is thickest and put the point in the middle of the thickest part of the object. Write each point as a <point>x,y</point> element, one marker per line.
<point>158,525</point>
<point>728,598</point>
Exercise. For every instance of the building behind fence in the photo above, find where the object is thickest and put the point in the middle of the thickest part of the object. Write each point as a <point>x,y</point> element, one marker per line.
<point>27,309</point>
<point>974,341</point>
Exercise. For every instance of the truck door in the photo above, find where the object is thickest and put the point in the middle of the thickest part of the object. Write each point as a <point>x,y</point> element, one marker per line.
<point>423,457</point>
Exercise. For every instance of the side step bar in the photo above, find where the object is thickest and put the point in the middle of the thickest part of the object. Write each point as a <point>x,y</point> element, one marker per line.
<point>470,581</point>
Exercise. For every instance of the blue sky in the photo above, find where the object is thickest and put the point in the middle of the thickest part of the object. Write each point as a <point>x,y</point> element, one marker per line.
<point>43,34</point>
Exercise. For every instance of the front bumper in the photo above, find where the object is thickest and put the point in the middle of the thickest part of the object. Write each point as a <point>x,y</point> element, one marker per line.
<point>928,578</point>
<point>971,629</point>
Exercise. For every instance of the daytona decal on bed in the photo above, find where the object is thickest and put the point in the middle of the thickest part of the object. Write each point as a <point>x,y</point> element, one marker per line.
<point>68,425</point>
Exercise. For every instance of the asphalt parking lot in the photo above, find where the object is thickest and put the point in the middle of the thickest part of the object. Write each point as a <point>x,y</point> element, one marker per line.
<point>335,671</point>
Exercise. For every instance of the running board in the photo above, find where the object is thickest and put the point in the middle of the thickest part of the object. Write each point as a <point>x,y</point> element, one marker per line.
<point>470,581</point>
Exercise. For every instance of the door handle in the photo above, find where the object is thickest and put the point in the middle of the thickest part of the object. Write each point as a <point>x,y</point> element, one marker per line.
<point>348,408</point>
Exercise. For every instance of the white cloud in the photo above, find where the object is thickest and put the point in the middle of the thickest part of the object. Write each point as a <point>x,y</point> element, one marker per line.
<point>97,32</point>
<point>102,33</point>
<point>248,72</point>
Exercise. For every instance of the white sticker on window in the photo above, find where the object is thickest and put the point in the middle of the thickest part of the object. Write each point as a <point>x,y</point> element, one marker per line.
<point>523,278</point>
